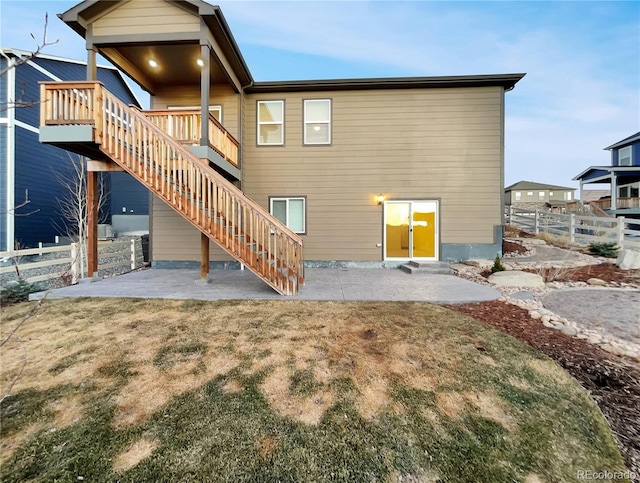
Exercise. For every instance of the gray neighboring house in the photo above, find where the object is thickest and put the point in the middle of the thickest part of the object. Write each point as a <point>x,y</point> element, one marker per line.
<point>528,194</point>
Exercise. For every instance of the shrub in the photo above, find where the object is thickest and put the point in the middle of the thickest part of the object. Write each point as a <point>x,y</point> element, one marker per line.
<point>604,249</point>
<point>497,265</point>
<point>17,291</point>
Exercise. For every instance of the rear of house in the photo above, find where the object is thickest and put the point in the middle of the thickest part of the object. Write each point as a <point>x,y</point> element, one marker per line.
<point>371,172</point>
<point>434,153</point>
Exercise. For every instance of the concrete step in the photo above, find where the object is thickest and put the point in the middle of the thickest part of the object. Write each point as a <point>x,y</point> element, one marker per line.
<point>427,268</point>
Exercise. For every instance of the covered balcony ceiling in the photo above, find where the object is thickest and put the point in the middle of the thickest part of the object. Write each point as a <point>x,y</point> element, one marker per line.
<point>163,65</point>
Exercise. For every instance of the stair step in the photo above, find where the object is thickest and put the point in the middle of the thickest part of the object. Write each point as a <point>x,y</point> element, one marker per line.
<point>427,268</point>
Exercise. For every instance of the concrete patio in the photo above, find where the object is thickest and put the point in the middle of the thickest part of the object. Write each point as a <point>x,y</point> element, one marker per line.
<point>353,284</point>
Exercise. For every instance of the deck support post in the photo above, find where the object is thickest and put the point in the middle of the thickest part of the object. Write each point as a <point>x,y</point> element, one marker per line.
<point>204,256</point>
<point>92,223</point>
<point>92,68</point>
<point>614,193</point>
<point>205,81</point>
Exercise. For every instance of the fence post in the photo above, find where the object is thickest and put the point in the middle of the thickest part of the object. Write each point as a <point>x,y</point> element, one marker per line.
<point>621,224</point>
<point>510,214</point>
<point>133,254</point>
<point>572,228</point>
<point>75,263</point>
<point>536,223</point>
<point>40,247</point>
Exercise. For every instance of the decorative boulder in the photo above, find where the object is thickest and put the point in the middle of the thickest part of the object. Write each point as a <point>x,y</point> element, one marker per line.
<point>628,259</point>
<point>516,278</point>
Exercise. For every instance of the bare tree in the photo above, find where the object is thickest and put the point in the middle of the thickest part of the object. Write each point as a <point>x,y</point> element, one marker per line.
<point>73,204</point>
<point>21,101</point>
<point>41,45</point>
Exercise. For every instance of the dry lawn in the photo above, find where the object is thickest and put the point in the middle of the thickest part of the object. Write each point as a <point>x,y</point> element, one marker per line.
<point>390,363</point>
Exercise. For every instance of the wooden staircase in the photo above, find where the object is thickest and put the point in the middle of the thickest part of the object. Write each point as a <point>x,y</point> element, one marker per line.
<point>201,195</point>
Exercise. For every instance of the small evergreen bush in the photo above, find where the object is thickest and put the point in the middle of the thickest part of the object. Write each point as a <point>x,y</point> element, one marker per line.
<point>604,249</point>
<point>497,265</point>
<point>18,291</point>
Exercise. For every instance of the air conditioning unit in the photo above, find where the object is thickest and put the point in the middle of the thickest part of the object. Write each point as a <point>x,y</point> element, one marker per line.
<point>105,232</point>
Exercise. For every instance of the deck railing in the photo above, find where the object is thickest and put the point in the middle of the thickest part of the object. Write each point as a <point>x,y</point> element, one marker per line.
<point>605,204</point>
<point>184,127</point>
<point>202,196</point>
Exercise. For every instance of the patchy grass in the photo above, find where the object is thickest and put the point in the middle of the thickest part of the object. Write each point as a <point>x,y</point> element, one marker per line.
<point>270,390</point>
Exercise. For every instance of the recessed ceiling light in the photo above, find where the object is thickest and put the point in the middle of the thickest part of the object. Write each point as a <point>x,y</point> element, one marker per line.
<point>200,62</point>
<point>153,63</point>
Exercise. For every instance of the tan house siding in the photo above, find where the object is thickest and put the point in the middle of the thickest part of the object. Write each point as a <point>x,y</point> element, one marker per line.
<point>406,144</point>
<point>441,144</point>
<point>138,17</point>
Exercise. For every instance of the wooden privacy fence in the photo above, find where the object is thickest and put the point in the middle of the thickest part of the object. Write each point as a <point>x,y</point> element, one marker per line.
<point>578,229</point>
<point>64,261</point>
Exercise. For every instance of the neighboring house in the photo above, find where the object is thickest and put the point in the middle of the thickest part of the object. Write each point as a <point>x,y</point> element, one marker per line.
<point>588,196</point>
<point>623,176</point>
<point>527,194</point>
<point>366,172</point>
<point>28,166</point>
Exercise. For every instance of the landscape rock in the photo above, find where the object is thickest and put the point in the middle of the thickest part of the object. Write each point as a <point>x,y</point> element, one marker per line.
<point>568,330</point>
<point>596,282</point>
<point>628,259</point>
<point>479,262</point>
<point>548,324</point>
<point>523,296</point>
<point>516,278</point>
<point>612,349</point>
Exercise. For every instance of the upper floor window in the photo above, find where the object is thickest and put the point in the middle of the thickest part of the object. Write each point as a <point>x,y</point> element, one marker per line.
<point>290,211</point>
<point>518,195</point>
<point>567,195</point>
<point>317,121</point>
<point>624,156</point>
<point>270,123</point>
<point>541,195</point>
<point>529,193</point>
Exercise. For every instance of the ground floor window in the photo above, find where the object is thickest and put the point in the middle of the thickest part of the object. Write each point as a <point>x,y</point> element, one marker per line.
<point>291,211</point>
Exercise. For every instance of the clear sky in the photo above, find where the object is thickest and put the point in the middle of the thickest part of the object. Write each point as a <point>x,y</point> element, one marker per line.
<point>582,59</point>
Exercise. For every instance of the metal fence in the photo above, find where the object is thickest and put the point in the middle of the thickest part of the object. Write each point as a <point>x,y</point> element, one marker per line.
<point>576,228</point>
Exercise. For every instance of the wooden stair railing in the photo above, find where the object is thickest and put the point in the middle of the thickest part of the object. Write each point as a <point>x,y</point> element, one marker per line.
<point>187,184</point>
<point>184,127</point>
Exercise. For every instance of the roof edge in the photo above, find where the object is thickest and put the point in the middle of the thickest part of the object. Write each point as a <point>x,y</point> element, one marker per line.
<point>20,52</point>
<point>631,139</point>
<point>508,81</point>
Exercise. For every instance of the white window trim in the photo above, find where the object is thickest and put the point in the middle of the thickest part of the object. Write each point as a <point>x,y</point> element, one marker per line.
<point>518,195</point>
<point>272,123</point>
<point>327,122</point>
<point>287,199</point>
<point>529,193</point>
<point>628,154</point>
<point>541,195</point>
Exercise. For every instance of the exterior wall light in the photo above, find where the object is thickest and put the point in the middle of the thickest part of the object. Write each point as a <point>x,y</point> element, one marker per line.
<point>380,199</point>
<point>153,63</point>
<point>200,62</point>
